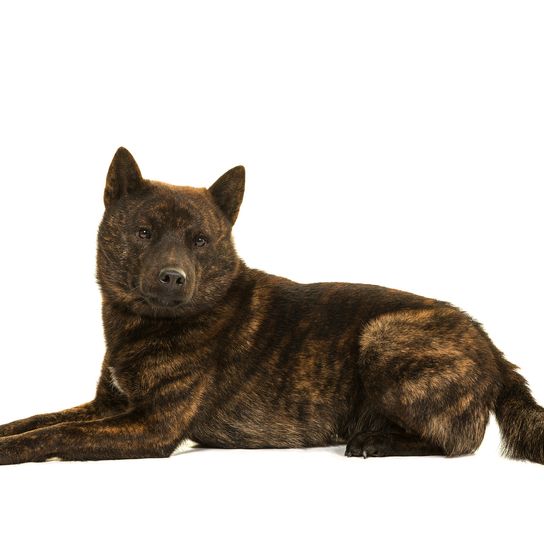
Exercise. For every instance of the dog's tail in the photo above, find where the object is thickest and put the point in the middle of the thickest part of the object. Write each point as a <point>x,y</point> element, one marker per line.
<point>520,418</point>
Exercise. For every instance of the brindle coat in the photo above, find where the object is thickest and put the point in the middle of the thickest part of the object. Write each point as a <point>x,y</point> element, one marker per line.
<point>200,346</point>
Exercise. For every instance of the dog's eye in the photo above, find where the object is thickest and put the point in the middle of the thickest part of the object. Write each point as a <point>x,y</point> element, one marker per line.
<point>144,233</point>
<point>200,240</point>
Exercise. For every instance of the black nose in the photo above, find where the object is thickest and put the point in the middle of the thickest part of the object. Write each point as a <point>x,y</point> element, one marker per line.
<point>171,278</point>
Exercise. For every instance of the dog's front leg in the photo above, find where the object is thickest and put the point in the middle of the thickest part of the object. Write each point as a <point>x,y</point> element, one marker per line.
<point>135,434</point>
<point>107,402</point>
<point>89,410</point>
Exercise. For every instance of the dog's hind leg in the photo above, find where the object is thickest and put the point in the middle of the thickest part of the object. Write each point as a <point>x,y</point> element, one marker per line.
<point>384,444</point>
<point>433,374</point>
<point>376,436</point>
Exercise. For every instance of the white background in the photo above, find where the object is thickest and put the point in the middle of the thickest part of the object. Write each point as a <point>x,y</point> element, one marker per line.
<point>397,143</point>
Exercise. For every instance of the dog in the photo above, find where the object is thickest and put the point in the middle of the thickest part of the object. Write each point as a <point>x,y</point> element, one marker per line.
<point>202,347</point>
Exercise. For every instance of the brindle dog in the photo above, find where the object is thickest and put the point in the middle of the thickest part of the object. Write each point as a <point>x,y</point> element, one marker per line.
<point>201,347</point>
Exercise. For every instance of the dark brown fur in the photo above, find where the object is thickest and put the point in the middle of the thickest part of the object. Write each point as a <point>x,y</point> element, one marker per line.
<point>238,358</point>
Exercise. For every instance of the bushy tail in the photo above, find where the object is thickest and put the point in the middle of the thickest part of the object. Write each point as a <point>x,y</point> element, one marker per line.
<point>520,418</point>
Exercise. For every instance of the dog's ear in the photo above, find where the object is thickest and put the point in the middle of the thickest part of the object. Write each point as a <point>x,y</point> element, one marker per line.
<point>228,192</point>
<point>123,177</point>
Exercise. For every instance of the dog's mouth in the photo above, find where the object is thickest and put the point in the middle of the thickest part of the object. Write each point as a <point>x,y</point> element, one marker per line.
<point>163,302</point>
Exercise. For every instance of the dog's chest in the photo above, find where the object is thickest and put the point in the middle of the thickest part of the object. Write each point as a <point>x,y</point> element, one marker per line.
<point>157,375</point>
<point>133,383</point>
<point>114,380</point>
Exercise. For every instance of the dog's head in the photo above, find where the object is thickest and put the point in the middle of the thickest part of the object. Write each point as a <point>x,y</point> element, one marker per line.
<point>164,250</point>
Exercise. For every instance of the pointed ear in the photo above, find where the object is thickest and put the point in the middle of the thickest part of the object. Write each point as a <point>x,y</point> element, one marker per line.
<point>123,177</point>
<point>228,192</point>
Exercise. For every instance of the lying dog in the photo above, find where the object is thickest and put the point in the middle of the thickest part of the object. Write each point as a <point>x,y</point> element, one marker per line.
<point>201,347</point>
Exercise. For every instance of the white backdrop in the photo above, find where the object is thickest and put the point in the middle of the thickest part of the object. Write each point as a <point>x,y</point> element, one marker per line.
<point>397,143</point>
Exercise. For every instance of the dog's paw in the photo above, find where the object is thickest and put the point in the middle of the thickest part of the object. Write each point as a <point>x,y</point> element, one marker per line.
<point>368,445</point>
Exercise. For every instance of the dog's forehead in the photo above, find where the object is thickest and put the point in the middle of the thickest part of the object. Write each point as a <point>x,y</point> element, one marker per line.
<point>180,205</point>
